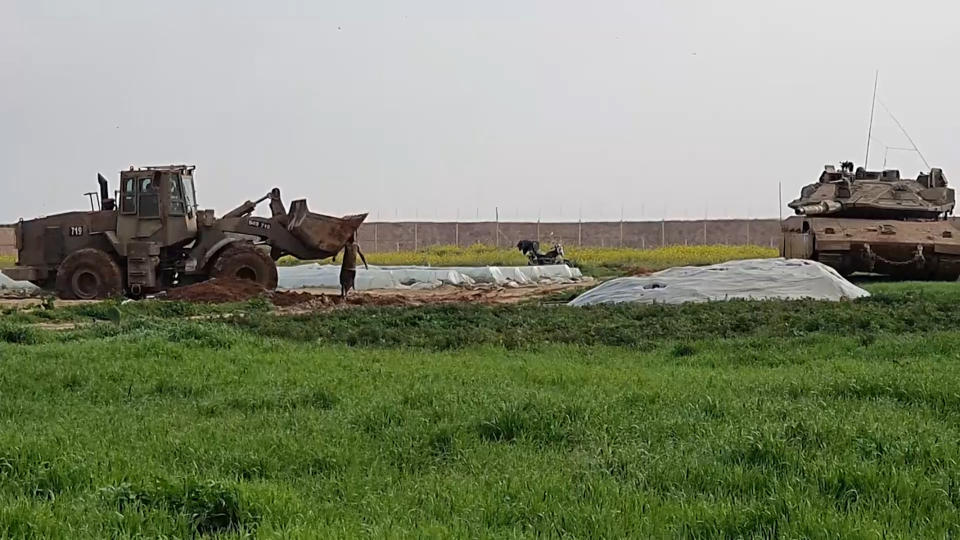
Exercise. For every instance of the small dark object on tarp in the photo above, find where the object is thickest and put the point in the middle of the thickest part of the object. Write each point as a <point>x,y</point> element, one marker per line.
<point>531,248</point>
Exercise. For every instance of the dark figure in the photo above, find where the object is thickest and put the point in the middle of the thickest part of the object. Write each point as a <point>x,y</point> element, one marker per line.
<point>348,269</point>
<point>528,246</point>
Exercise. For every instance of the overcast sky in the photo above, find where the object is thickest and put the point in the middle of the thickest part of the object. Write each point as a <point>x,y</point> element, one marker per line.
<point>425,109</point>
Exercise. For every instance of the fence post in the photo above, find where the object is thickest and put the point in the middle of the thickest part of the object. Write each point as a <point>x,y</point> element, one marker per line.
<point>579,225</point>
<point>376,238</point>
<point>663,232</point>
<point>416,239</point>
<point>457,233</point>
<point>497,231</point>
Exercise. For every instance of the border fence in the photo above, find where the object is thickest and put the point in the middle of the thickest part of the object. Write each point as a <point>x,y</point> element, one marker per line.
<point>415,235</point>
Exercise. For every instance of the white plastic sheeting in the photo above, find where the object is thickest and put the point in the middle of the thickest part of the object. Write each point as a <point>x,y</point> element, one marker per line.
<point>395,277</point>
<point>754,279</point>
<point>327,276</point>
<point>521,275</point>
<point>7,284</point>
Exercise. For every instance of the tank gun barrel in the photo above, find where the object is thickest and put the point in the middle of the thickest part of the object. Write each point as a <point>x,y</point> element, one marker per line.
<point>822,207</point>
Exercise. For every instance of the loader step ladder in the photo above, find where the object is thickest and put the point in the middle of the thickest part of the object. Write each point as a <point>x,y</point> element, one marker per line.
<point>142,261</point>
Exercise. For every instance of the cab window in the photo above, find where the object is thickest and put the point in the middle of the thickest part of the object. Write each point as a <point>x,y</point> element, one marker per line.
<point>177,205</point>
<point>128,202</point>
<point>188,193</point>
<point>149,198</point>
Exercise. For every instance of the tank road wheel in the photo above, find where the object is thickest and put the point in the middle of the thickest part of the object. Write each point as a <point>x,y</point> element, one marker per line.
<point>245,261</point>
<point>88,274</point>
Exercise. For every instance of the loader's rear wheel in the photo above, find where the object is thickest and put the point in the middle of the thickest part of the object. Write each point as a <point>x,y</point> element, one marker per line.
<point>88,274</point>
<point>245,261</point>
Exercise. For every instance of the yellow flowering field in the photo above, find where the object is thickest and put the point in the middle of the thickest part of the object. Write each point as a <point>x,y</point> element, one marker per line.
<point>651,259</point>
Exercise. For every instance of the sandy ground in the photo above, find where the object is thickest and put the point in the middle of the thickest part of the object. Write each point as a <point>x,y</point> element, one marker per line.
<point>449,292</point>
<point>9,299</point>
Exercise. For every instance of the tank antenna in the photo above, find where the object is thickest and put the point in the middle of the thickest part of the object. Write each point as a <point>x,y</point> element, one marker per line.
<point>873,104</point>
<point>905,134</point>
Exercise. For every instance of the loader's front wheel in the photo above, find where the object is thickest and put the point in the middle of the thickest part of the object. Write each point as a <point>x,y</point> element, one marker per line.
<point>246,261</point>
<point>88,274</point>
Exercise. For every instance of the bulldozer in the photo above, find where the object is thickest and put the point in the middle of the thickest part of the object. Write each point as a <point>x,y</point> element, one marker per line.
<point>152,236</point>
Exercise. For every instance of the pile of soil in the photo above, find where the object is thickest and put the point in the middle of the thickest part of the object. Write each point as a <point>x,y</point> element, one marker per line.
<point>637,271</point>
<point>217,291</point>
<point>224,290</point>
<point>310,303</point>
<point>292,298</point>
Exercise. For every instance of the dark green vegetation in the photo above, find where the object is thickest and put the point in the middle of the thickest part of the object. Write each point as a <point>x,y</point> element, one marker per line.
<point>726,420</point>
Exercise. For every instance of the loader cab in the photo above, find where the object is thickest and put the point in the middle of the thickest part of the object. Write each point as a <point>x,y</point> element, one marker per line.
<point>158,205</point>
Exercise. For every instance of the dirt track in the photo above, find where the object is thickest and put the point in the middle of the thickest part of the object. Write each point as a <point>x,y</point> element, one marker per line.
<point>306,300</point>
<point>442,295</point>
<point>220,291</point>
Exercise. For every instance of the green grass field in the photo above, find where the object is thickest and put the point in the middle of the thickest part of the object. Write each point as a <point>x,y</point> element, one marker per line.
<point>735,420</point>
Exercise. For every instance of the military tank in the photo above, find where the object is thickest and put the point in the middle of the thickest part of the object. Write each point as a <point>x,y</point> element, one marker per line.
<point>876,222</point>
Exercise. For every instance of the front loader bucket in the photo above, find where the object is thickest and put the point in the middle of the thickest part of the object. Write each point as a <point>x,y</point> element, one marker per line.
<point>320,232</point>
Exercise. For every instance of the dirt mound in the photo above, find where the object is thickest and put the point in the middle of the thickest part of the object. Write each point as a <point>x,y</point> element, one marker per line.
<point>312,302</point>
<point>217,291</point>
<point>224,290</point>
<point>292,298</point>
<point>637,271</point>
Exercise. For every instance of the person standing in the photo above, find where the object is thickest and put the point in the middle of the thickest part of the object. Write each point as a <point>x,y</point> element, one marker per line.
<point>348,268</point>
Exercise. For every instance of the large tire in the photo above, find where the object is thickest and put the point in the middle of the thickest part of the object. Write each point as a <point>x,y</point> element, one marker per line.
<point>242,260</point>
<point>89,274</point>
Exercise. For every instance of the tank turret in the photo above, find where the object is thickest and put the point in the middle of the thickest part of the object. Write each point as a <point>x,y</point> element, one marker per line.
<point>876,194</point>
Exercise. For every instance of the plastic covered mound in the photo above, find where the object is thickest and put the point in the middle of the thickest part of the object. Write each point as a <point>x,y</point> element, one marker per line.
<point>7,284</point>
<point>327,276</point>
<point>754,279</point>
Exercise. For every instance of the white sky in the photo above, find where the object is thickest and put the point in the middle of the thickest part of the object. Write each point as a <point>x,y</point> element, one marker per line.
<point>411,109</point>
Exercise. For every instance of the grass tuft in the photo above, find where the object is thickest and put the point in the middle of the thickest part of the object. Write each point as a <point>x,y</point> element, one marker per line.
<point>681,350</point>
<point>210,507</point>
<point>536,422</point>
<point>18,334</point>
